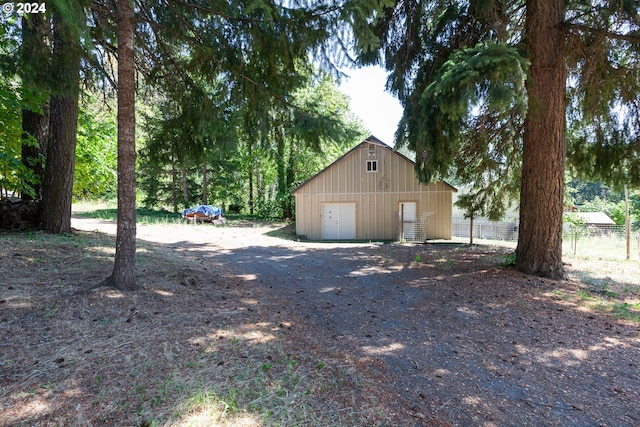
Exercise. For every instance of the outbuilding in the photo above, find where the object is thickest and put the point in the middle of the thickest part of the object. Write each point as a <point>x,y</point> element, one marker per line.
<point>372,193</point>
<point>595,219</point>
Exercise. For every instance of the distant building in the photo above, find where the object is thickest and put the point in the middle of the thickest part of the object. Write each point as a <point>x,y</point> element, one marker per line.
<point>596,219</point>
<point>597,223</point>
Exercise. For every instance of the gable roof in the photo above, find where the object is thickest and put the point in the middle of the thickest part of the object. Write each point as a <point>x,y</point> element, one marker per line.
<point>370,140</point>
<point>595,218</point>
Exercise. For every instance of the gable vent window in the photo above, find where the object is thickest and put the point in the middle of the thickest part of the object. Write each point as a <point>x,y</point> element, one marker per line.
<point>372,166</point>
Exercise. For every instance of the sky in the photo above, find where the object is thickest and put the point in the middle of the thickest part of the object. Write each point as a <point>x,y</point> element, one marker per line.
<point>379,110</point>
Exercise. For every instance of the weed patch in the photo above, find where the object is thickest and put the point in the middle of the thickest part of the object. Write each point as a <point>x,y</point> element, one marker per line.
<point>509,260</point>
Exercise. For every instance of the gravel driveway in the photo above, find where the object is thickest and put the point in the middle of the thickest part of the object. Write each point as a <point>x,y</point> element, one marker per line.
<point>455,335</point>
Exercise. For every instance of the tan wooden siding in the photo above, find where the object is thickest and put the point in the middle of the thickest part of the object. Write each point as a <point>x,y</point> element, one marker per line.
<point>377,196</point>
<point>378,215</point>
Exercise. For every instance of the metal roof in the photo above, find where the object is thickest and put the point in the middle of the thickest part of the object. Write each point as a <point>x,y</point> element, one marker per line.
<point>595,217</point>
<point>370,140</point>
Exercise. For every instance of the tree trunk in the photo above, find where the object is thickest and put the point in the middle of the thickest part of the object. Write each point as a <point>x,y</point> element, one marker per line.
<point>205,192</point>
<point>289,209</point>
<point>627,222</point>
<point>34,124</point>
<point>123,276</point>
<point>539,248</point>
<point>281,169</point>
<point>174,184</point>
<point>185,188</point>
<point>251,164</point>
<point>57,187</point>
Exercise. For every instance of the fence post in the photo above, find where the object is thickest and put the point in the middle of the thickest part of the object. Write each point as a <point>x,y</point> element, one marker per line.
<point>402,222</point>
<point>627,221</point>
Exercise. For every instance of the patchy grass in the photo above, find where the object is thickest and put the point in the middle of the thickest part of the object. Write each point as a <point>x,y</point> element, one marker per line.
<point>143,216</point>
<point>617,276</point>
<point>108,212</point>
<point>197,345</point>
<point>625,306</point>
<point>509,260</point>
<point>602,248</point>
<point>283,230</point>
<point>608,283</point>
<point>265,386</point>
<point>191,347</point>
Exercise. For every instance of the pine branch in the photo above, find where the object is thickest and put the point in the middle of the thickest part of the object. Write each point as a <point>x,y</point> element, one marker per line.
<point>635,39</point>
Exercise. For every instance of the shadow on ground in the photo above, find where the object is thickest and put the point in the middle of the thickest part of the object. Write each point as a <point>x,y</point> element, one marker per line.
<point>343,334</point>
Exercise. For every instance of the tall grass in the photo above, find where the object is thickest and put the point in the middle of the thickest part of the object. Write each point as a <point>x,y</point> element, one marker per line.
<point>612,246</point>
<point>108,211</point>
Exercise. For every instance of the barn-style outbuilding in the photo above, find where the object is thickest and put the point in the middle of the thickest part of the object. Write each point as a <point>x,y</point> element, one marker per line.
<point>371,193</point>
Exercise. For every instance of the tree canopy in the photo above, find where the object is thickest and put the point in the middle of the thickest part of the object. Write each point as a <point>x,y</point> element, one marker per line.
<point>494,92</point>
<point>219,73</point>
<point>222,73</point>
<point>603,57</point>
<point>482,81</point>
<point>459,69</point>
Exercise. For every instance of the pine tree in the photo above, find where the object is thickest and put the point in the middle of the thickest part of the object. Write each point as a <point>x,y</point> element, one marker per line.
<point>539,248</point>
<point>57,187</point>
<point>35,120</point>
<point>123,276</point>
<point>242,68</point>
<point>484,83</point>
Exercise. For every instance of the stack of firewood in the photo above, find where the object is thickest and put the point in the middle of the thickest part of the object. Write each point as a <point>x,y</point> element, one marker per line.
<point>18,214</point>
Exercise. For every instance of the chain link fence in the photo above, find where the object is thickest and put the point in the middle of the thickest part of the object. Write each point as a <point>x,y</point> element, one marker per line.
<point>603,241</point>
<point>485,229</point>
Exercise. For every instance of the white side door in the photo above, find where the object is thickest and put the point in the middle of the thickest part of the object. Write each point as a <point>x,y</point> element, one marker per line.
<point>408,219</point>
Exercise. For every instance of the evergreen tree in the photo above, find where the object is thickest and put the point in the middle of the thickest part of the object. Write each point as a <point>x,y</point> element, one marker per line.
<point>57,187</point>
<point>256,49</point>
<point>17,177</point>
<point>483,84</point>
<point>35,120</point>
<point>305,131</point>
<point>604,106</point>
<point>123,276</point>
<point>317,118</point>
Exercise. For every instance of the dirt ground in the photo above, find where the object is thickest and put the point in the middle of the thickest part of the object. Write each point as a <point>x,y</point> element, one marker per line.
<point>435,334</point>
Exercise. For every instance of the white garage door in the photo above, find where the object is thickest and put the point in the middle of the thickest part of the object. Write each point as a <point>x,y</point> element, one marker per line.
<point>339,221</point>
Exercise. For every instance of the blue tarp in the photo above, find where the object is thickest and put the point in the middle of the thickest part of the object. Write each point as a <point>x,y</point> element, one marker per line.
<point>207,210</point>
